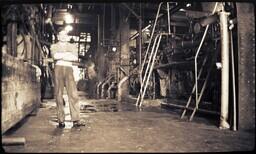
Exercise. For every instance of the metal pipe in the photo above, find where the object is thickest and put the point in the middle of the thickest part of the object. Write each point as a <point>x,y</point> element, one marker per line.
<point>103,86</point>
<point>49,12</point>
<point>103,25</point>
<point>233,82</point>
<point>168,14</point>
<point>209,20</point>
<point>98,16</point>
<point>187,44</point>
<point>140,44</point>
<point>98,89</point>
<point>224,70</point>
<point>137,34</point>
<point>119,90</point>
<point>112,86</point>
<point>122,69</point>
<point>151,69</point>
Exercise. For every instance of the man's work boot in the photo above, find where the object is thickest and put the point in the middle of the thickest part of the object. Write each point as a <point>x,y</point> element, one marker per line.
<point>61,125</point>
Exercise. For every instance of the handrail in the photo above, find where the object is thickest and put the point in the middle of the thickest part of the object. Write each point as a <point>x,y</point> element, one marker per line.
<point>152,34</point>
<point>146,72</point>
<point>197,52</point>
<point>151,69</point>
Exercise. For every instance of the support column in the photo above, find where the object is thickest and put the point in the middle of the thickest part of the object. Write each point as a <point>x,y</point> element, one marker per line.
<point>125,53</point>
<point>225,70</point>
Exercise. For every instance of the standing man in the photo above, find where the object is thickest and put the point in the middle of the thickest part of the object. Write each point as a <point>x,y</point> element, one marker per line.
<point>64,53</point>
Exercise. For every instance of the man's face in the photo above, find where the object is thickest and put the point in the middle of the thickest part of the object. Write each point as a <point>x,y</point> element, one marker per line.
<point>63,36</point>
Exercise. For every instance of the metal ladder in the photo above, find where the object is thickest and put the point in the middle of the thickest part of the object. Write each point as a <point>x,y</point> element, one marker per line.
<point>149,69</point>
<point>150,62</point>
<point>202,89</point>
<point>197,76</point>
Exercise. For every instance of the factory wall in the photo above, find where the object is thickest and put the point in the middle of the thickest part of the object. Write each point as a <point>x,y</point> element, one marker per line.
<point>20,93</point>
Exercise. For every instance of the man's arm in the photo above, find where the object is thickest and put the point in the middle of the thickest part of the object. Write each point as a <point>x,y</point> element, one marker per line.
<point>64,51</point>
<point>71,53</point>
<point>56,51</point>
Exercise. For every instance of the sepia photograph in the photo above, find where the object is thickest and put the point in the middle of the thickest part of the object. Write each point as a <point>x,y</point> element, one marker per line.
<point>127,76</point>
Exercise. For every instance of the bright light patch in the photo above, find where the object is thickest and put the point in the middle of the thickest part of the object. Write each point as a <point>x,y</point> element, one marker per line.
<point>114,49</point>
<point>88,38</point>
<point>68,28</point>
<point>68,18</point>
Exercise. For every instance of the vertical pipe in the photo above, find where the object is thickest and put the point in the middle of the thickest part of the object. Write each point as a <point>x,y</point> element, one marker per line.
<point>168,13</point>
<point>103,25</point>
<point>140,44</point>
<point>225,69</point>
<point>98,32</point>
<point>233,82</point>
<point>33,49</point>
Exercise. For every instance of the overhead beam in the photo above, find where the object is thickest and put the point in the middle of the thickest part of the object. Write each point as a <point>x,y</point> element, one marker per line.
<point>133,12</point>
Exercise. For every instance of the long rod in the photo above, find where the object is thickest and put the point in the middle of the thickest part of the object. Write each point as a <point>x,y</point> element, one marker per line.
<point>189,108</point>
<point>137,34</point>
<point>168,14</point>
<point>98,32</point>
<point>103,25</point>
<point>150,57</point>
<point>233,82</point>
<point>203,88</point>
<point>197,52</point>
<point>152,33</point>
<point>140,44</point>
<point>193,90</point>
<point>151,69</point>
<point>224,70</point>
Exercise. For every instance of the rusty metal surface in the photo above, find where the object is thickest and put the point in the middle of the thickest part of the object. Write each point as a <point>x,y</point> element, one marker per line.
<point>246,66</point>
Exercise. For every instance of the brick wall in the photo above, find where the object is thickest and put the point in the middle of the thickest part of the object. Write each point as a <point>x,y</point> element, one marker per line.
<point>20,93</point>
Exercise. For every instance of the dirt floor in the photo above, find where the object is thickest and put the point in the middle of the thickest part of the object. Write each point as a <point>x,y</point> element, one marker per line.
<point>121,127</point>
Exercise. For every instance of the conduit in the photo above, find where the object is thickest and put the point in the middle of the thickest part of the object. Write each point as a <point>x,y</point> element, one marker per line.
<point>224,70</point>
<point>119,87</point>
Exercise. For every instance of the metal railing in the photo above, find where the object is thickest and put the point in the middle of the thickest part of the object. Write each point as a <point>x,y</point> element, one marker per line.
<point>196,56</point>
